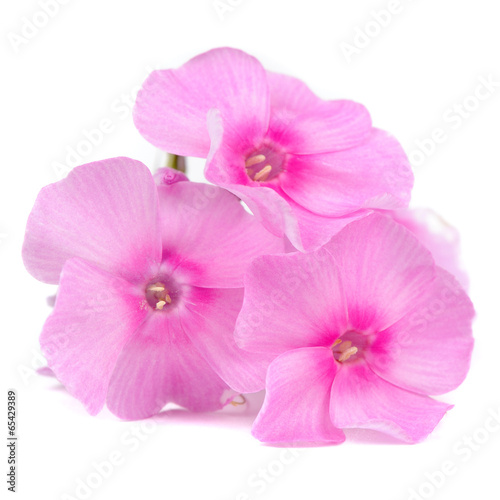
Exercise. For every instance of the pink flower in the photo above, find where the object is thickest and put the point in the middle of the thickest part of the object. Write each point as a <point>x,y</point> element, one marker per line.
<point>363,330</point>
<point>150,285</point>
<point>304,166</point>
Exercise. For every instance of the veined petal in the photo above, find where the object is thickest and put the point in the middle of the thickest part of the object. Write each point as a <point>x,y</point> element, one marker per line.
<point>104,212</point>
<point>208,235</point>
<point>208,320</point>
<point>361,399</point>
<point>329,126</point>
<point>291,301</point>
<point>384,270</point>
<point>374,174</point>
<point>439,237</point>
<point>296,407</point>
<point>290,95</point>
<point>94,316</point>
<point>226,167</point>
<point>314,230</point>
<point>161,365</point>
<point>429,349</point>
<point>171,108</point>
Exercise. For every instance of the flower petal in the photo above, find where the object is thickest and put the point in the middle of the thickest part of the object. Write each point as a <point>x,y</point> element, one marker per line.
<point>384,271</point>
<point>104,212</point>
<point>208,320</point>
<point>441,239</point>
<point>226,167</point>
<point>208,235</point>
<point>94,316</point>
<point>290,95</point>
<point>296,407</point>
<point>171,108</point>
<point>291,301</point>
<point>269,203</point>
<point>314,230</point>
<point>429,349</point>
<point>329,126</point>
<point>375,174</point>
<point>361,399</point>
<point>161,365</point>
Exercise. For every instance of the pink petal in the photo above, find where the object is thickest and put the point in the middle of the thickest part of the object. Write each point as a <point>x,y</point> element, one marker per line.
<point>329,126</point>
<point>270,205</point>
<point>291,301</point>
<point>296,407</point>
<point>172,106</point>
<point>441,239</point>
<point>209,320</point>
<point>362,399</point>
<point>429,349</point>
<point>94,316</point>
<point>209,235</point>
<point>290,95</point>
<point>313,230</point>
<point>226,167</point>
<point>375,174</point>
<point>104,212</point>
<point>161,365</point>
<point>384,271</point>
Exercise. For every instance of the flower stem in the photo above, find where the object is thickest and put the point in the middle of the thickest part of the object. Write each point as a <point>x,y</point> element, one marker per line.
<point>176,162</point>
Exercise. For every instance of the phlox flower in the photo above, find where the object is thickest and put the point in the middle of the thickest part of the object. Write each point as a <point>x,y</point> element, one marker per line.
<point>305,167</point>
<point>150,284</point>
<point>363,330</point>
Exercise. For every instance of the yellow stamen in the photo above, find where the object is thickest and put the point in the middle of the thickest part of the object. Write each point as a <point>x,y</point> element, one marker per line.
<point>253,160</point>
<point>168,299</point>
<point>238,403</point>
<point>346,344</point>
<point>263,174</point>
<point>160,304</point>
<point>337,342</point>
<point>157,287</point>
<point>348,353</point>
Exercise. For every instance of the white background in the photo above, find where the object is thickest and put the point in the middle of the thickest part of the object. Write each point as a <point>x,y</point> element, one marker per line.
<point>84,65</point>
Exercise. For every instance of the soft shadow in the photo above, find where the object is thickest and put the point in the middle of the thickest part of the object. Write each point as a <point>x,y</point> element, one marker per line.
<point>240,416</point>
<point>368,436</point>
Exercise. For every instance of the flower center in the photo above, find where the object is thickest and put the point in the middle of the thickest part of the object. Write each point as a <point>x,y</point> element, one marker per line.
<point>349,347</point>
<point>264,164</point>
<point>161,295</point>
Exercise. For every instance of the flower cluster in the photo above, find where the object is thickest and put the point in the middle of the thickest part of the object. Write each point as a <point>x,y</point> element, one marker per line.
<point>325,290</point>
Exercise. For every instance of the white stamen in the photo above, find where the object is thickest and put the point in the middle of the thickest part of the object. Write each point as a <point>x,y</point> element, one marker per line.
<point>263,174</point>
<point>253,160</point>
<point>156,288</point>
<point>348,353</point>
<point>160,304</point>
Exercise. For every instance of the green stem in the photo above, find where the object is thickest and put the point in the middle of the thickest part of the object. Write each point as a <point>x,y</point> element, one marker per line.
<point>176,162</point>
